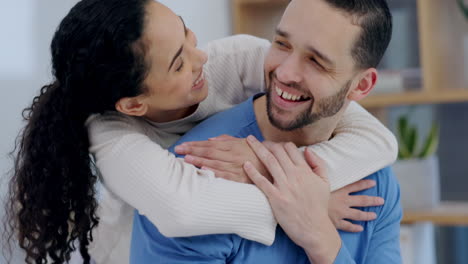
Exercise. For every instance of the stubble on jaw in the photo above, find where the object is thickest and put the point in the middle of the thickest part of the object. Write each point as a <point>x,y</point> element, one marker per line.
<point>326,107</point>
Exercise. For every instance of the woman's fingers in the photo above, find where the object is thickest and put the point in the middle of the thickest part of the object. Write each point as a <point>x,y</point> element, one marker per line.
<point>204,148</point>
<point>230,176</point>
<point>347,226</point>
<point>360,186</point>
<point>358,215</point>
<point>222,138</point>
<point>365,201</point>
<point>203,162</point>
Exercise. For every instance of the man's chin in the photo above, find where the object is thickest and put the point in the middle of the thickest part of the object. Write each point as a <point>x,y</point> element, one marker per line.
<point>281,123</point>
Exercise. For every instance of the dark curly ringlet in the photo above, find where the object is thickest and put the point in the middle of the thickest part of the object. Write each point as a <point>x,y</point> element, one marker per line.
<point>97,59</point>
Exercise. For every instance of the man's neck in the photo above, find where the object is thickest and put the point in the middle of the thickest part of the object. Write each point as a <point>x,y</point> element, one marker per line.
<point>314,133</point>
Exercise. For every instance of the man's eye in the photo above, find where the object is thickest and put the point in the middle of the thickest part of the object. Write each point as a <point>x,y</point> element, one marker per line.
<point>313,60</point>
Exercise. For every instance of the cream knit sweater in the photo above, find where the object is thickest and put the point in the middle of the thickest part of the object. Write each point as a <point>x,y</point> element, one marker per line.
<point>181,200</point>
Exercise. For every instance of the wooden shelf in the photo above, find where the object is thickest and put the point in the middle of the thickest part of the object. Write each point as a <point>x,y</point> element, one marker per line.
<point>447,213</point>
<point>411,98</point>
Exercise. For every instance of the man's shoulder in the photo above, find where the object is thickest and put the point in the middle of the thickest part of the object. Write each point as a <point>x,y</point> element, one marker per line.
<point>388,188</point>
<point>386,182</point>
<point>229,122</point>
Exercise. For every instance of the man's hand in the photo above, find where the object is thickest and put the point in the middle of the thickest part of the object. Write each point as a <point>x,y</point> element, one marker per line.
<point>299,197</point>
<point>342,202</point>
<point>224,155</point>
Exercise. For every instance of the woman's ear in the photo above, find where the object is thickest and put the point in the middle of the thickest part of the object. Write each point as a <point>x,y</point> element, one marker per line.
<point>366,82</point>
<point>132,106</point>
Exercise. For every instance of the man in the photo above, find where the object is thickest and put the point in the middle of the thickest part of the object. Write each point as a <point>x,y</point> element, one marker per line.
<point>323,56</point>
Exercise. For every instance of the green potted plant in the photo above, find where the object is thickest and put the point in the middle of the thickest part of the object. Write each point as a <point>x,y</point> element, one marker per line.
<point>417,168</point>
<point>463,7</point>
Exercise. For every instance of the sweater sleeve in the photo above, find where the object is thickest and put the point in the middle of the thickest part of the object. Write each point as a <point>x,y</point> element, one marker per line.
<point>178,198</point>
<point>235,66</point>
<point>361,146</point>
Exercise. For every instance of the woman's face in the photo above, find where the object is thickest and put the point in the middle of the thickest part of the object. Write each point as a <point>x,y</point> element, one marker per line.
<point>175,82</point>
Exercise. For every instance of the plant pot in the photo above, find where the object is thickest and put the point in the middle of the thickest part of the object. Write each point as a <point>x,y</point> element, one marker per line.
<point>419,182</point>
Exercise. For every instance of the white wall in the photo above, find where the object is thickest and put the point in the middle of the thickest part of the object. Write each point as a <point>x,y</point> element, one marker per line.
<point>27,27</point>
<point>209,19</point>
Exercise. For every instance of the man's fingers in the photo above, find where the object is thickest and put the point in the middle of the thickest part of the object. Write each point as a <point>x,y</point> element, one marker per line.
<point>268,159</point>
<point>316,163</point>
<point>295,154</point>
<point>360,186</point>
<point>349,227</point>
<point>259,180</point>
<point>281,155</point>
<point>365,201</point>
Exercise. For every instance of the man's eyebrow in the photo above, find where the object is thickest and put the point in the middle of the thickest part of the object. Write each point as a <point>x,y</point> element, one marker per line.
<point>181,48</point>
<point>322,56</point>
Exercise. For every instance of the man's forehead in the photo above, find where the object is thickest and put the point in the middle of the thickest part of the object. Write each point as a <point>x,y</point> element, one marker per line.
<point>319,26</point>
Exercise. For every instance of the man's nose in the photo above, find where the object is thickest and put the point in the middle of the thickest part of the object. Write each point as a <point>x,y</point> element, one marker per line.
<point>289,71</point>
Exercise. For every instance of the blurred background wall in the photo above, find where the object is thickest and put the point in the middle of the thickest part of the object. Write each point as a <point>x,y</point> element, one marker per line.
<point>26,29</point>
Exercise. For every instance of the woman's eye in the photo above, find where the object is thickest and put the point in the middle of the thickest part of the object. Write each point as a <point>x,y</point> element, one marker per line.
<point>280,43</point>
<point>180,67</point>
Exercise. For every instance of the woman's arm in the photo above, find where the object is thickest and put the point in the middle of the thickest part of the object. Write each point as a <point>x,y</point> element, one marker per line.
<point>361,146</point>
<point>235,67</point>
<point>178,198</point>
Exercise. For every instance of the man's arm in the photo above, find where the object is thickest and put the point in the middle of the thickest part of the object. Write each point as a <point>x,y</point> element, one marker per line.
<point>299,198</point>
<point>385,242</point>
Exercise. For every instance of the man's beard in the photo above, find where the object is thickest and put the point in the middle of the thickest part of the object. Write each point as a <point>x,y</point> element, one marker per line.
<point>326,107</point>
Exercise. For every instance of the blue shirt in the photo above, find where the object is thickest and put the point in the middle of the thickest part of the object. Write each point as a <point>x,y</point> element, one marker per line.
<point>378,243</point>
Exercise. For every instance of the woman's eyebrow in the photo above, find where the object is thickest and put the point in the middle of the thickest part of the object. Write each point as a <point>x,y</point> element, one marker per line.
<point>181,48</point>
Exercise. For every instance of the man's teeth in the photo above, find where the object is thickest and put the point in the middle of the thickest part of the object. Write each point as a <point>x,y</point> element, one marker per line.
<point>288,96</point>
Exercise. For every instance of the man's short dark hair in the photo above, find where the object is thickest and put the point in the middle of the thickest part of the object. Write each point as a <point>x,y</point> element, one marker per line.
<point>375,20</point>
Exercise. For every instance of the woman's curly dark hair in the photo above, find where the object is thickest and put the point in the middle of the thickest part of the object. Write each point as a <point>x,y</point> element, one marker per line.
<point>97,59</point>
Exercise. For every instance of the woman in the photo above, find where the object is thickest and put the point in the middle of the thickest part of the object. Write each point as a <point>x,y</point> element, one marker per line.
<point>131,72</point>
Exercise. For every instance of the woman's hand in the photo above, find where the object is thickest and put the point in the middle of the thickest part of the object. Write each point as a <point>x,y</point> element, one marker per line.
<point>224,155</point>
<point>298,196</point>
<point>342,202</point>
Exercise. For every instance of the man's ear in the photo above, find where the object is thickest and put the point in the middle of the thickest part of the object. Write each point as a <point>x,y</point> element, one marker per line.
<point>366,82</point>
<point>133,106</point>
